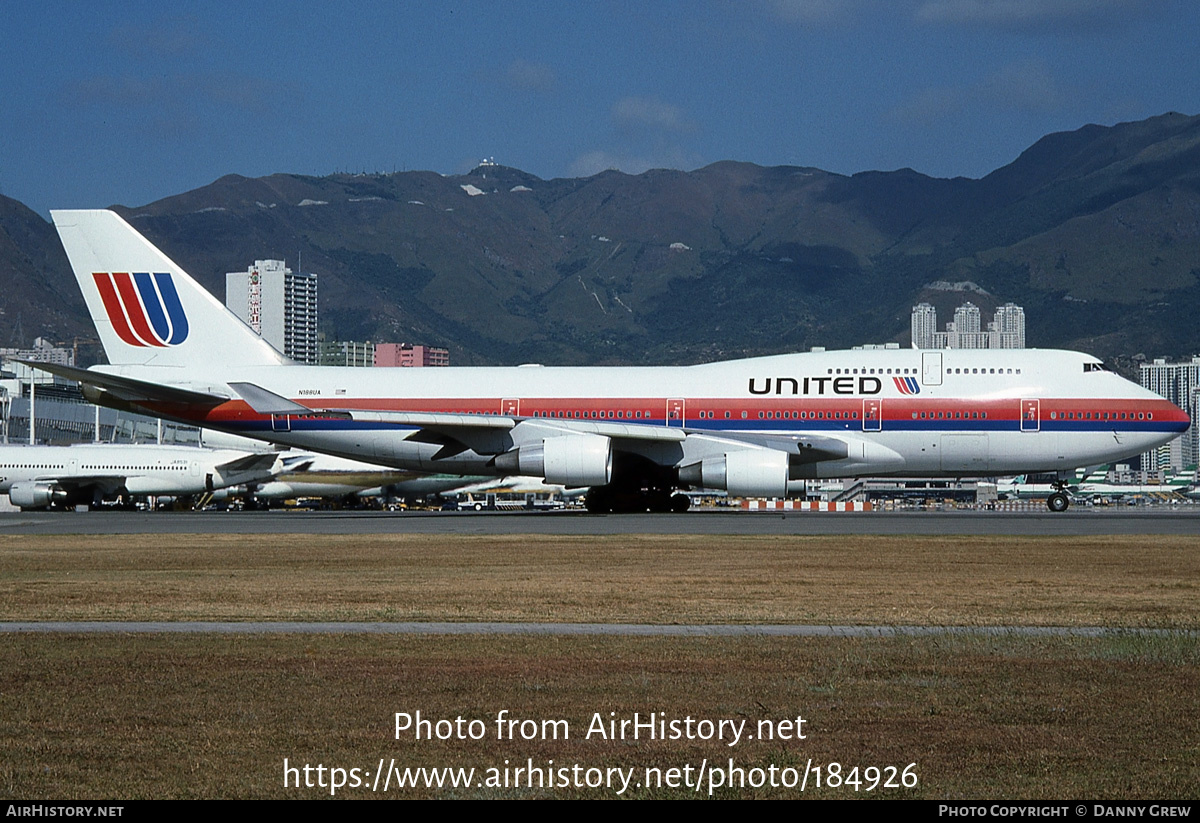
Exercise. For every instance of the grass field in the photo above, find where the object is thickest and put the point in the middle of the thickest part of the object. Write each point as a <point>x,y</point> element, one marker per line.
<point>1102,581</point>
<point>980,716</point>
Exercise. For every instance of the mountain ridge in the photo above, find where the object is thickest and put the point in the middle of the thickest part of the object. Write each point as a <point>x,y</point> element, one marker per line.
<point>1095,231</point>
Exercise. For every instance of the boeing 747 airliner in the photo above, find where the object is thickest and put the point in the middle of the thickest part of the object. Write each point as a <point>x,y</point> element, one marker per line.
<point>632,436</point>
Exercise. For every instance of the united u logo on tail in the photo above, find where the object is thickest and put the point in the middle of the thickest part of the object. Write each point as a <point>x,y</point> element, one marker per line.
<point>907,385</point>
<point>144,308</point>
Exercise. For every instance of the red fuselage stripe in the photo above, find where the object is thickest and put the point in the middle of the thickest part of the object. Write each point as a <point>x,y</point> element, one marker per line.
<point>897,409</point>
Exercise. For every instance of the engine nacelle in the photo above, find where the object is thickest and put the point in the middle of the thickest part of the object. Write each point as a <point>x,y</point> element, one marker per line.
<point>575,460</point>
<point>29,495</point>
<point>743,473</point>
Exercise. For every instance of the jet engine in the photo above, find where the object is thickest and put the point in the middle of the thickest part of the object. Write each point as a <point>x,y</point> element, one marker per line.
<point>573,460</point>
<point>744,473</point>
<point>29,495</point>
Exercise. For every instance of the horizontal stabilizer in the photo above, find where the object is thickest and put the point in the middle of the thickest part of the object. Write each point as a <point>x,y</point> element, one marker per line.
<point>258,462</point>
<point>128,389</point>
<point>300,463</point>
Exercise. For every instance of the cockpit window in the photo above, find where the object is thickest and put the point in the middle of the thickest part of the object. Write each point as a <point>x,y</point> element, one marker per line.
<point>1087,367</point>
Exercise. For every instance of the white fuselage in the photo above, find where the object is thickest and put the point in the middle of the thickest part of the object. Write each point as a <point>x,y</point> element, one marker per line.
<point>911,412</point>
<point>91,471</point>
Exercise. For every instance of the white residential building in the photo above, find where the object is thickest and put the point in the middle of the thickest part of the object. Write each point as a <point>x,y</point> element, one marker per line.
<point>278,304</point>
<point>1179,383</point>
<point>924,325</point>
<point>1006,331</point>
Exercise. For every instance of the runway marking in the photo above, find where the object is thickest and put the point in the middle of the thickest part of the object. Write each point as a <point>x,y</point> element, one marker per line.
<point>612,629</point>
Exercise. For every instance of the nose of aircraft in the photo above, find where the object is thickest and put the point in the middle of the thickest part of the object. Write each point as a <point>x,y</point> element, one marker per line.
<point>1164,422</point>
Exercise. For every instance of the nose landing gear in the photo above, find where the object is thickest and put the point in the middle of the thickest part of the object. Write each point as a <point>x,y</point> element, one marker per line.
<point>1058,502</point>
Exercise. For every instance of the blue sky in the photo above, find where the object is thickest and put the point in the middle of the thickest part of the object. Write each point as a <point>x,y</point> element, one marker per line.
<point>127,102</point>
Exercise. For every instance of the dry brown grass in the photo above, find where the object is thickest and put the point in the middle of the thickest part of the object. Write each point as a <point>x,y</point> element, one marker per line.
<point>181,716</point>
<point>1109,581</point>
<point>113,716</point>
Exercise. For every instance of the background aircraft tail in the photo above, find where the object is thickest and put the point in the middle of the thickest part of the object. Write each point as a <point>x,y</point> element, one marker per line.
<point>147,310</point>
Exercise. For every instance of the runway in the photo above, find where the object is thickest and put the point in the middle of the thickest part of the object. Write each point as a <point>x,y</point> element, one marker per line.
<point>1182,520</point>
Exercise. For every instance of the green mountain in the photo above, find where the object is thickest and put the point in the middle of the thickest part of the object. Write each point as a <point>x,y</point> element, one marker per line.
<point>38,295</point>
<point>1095,232</point>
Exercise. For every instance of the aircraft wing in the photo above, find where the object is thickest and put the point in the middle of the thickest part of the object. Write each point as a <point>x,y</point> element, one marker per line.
<point>129,389</point>
<point>456,433</point>
<point>798,455</point>
<point>447,423</point>
<point>267,402</point>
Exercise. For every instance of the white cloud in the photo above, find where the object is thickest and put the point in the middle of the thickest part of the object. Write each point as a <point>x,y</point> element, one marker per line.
<point>652,113</point>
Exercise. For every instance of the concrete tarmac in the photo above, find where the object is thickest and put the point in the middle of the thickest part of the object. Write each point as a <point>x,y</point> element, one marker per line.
<point>1162,520</point>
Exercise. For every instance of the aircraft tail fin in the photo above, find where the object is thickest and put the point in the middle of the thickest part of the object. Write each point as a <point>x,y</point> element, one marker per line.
<point>147,310</point>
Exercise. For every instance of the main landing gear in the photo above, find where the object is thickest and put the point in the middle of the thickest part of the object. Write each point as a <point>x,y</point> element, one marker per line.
<point>607,499</point>
<point>637,485</point>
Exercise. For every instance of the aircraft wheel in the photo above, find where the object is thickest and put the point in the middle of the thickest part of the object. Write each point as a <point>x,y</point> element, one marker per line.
<point>680,503</point>
<point>1058,502</point>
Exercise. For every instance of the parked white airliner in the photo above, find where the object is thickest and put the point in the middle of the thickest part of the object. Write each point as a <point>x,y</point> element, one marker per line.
<point>39,477</point>
<point>633,435</point>
<point>322,475</point>
<point>302,474</point>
